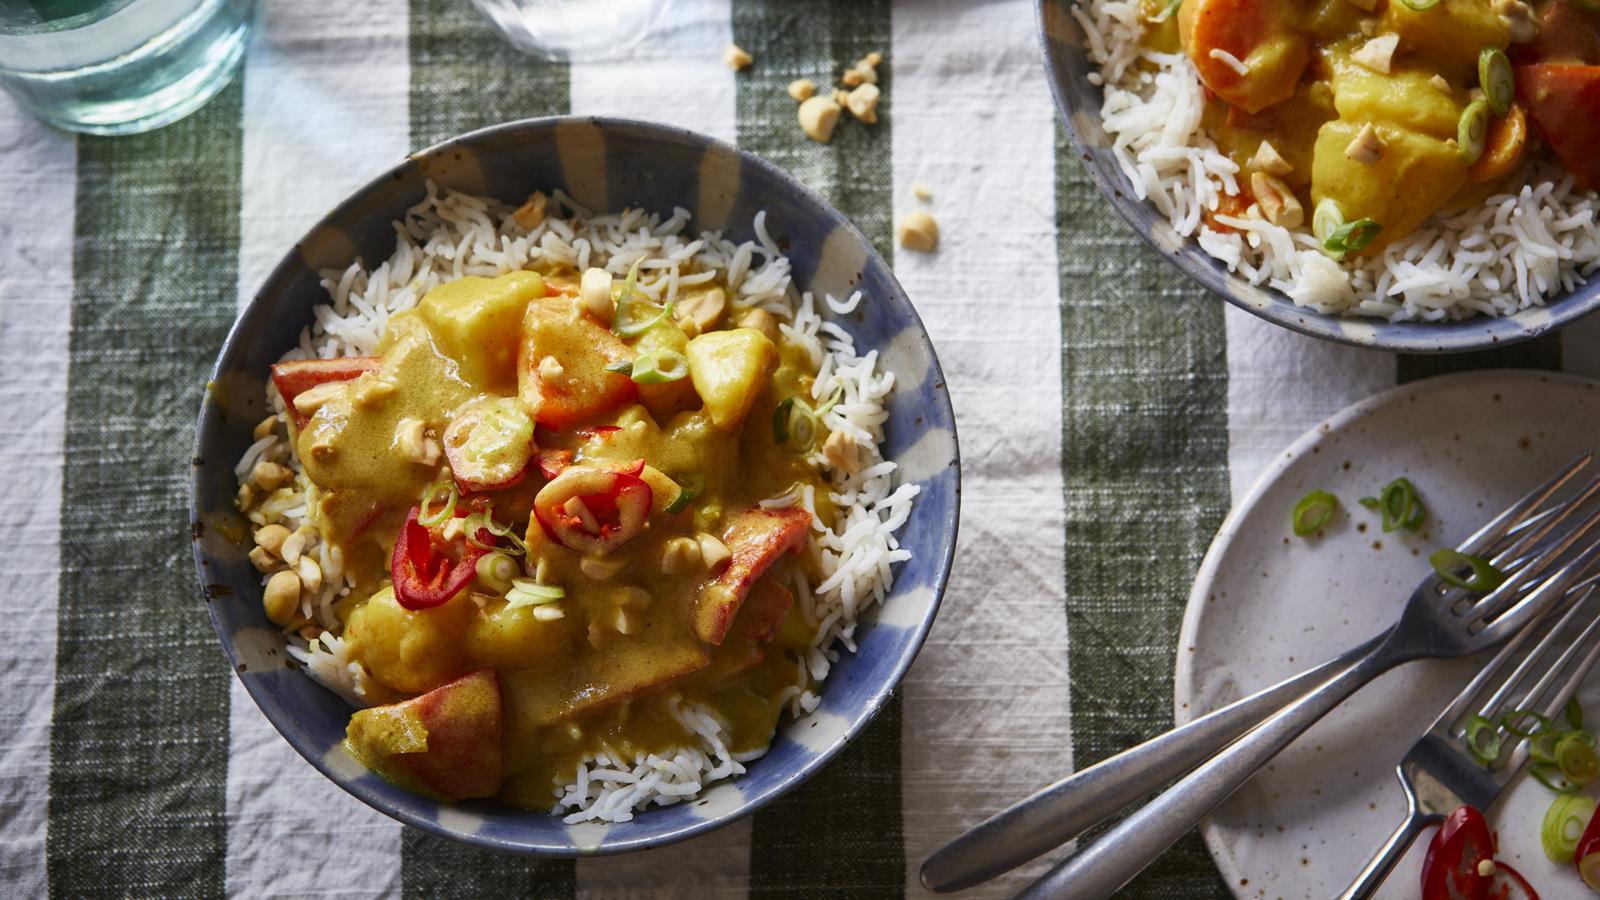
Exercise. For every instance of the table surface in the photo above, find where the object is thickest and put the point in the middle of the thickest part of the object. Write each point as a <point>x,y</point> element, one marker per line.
<point>1109,412</point>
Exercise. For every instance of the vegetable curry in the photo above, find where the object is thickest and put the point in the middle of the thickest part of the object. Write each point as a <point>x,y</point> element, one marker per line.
<point>547,491</point>
<point>1362,118</point>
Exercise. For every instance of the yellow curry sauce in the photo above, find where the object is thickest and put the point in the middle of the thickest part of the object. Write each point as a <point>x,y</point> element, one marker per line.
<point>1383,112</point>
<point>637,627</point>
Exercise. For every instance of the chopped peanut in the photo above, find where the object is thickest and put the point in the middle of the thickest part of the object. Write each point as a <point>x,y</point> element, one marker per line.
<point>262,560</point>
<point>269,476</point>
<point>1278,203</point>
<point>703,309</point>
<point>917,230</point>
<point>595,291</point>
<point>1270,161</point>
<point>762,321</point>
<point>264,427</point>
<point>802,89</point>
<point>865,70</point>
<point>851,78</point>
<point>736,57</point>
<point>713,552</point>
<point>1439,82</point>
<point>874,59</point>
<point>602,568</point>
<point>633,598</point>
<point>370,390</point>
<point>1368,147</point>
<point>309,401</point>
<point>530,214</point>
<point>414,444</point>
<point>841,97</point>
<point>627,621</point>
<point>1519,18</point>
<point>818,117</point>
<point>310,574</point>
<point>551,370</point>
<point>246,497</point>
<point>271,537</point>
<point>863,103</point>
<point>680,555</point>
<point>1378,53</point>
<point>840,449</point>
<point>293,546</point>
<point>921,191</point>
<point>281,599</point>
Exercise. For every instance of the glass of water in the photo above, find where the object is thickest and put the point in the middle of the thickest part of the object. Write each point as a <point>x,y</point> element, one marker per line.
<point>119,66</point>
<point>573,30</point>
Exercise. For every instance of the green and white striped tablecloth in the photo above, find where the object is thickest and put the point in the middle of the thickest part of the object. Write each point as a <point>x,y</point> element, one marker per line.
<point>1108,411</point>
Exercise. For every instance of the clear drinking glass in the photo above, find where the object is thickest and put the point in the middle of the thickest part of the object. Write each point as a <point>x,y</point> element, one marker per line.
<point>119,66</point>
<point>573,30</point>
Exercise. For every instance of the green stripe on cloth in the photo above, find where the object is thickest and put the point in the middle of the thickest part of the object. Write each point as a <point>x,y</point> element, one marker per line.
<point>1543,352</point>
<point>139,740</point>
<point>807,844</point>
<point>465,76</point>
<point>1145,455</point>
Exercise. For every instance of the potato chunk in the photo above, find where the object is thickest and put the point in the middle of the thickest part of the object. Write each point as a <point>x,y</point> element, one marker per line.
<point>476,320</point>
<point>730,369</point>
<point>561,372</point>
<point>410,650</point>
<point>1415,176</point>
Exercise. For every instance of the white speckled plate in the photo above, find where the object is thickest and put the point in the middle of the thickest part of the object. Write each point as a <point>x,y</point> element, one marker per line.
<point>1267,605</point>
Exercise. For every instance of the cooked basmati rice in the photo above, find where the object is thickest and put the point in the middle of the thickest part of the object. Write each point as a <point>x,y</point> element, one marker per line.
<point>1515,250</point>
<point>451,235</point>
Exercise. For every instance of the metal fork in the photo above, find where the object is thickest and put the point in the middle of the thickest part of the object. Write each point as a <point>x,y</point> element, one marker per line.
<point>1063,810</point>
<point>1438,773</point>
<point>1438,621</point>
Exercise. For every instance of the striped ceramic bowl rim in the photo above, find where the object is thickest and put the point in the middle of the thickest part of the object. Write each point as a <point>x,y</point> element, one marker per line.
<point>605,164</point>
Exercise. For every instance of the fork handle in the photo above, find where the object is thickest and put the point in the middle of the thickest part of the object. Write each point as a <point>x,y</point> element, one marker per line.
<point>1103,867</point>
<point>1379,867</point>
<point>1060,812</point>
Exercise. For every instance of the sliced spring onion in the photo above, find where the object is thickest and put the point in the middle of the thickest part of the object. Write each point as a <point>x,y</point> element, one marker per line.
<point>527,592</point>
<point>485,521</point>
<point>1495,77</point>
<point>659,367</point>
<point>687,491</point>
<point>1483,739</point>
<point>795,418</point>
<point>1420,5</point>
<point>1472,132</point>
<point>1577,760</point>
<point>1549,775</point>
<point>1352,237</point>
<point>1589,870</point>
<point>1574,713</point>
<point>439,490</point>
<point>497,570</point>
<point>1313,512</point>
<point>1398,504</point>
<point>631,321</point>
<point>1325,221</point>
<point>780,420</point>
<point>1563,826</point>
<point>1524,722</point>
<point>621,367</point>
<point>1449,564</point>
<point>1542,747</point>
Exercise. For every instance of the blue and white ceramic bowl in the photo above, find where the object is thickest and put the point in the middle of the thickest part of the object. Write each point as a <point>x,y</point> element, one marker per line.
<point>606,164</point>
<point>1067,65</point>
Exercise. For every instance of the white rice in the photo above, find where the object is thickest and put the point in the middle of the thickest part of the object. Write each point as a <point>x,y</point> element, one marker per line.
<point>1514,251</point>
<point>450,235</point>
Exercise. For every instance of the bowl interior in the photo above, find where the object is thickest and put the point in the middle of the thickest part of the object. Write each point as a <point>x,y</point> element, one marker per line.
<point>1068,65</point>
<point>606,165</point>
